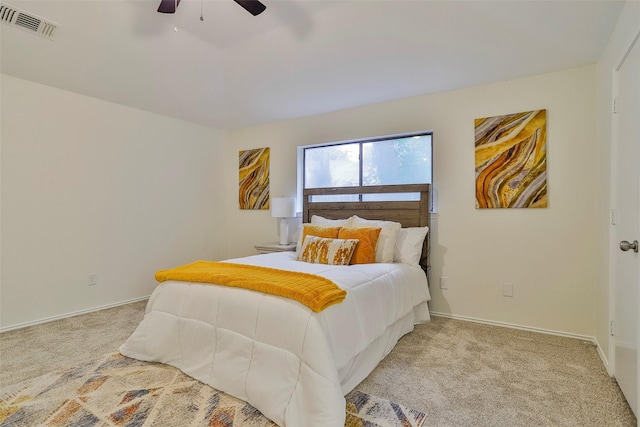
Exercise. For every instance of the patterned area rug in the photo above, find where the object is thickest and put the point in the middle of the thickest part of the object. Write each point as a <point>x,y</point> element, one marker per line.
<point>119,391</point>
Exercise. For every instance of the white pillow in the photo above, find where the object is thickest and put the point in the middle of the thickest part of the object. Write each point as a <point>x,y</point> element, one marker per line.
<point>409,245</point>
<point>320,222</point>
<point>387,239</point>
<point>325,222</point>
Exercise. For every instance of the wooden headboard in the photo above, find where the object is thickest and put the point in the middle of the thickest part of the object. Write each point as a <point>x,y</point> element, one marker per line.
<point>408,213</point>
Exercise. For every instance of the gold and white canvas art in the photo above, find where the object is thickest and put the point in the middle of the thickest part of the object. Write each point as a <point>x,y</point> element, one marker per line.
<point>511,160</point>
<point>254,179</point>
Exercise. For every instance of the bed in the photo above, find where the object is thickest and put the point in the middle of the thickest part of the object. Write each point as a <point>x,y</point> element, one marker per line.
<point>292,362</point>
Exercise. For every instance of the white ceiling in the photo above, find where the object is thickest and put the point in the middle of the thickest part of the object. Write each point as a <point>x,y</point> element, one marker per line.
<point>299,57</point>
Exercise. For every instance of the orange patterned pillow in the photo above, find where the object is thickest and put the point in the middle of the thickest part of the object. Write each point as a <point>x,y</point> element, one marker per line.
<point>319,231</point>
<point>320,250</point>
<point>367,239</point>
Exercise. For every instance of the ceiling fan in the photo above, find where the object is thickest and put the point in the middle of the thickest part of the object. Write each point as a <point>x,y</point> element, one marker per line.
<point>254,7</point>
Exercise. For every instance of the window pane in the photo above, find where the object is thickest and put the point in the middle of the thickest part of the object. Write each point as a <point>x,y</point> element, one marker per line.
<point>331,166</point>
<point>397,161</point>
<point>390,197</point>
<point>335,198</point>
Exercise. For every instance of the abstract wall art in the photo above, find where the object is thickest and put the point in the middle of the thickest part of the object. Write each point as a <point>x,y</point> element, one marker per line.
<point>254,179</point>
<point>511,160</point>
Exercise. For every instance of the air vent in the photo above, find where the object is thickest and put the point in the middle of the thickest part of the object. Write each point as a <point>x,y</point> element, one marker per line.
<point>27,21</point>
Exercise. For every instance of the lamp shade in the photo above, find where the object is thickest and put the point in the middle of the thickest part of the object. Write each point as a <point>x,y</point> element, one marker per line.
<point>283,207</point>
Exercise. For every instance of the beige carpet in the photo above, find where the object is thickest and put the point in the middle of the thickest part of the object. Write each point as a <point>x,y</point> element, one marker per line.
<point>469,374</point>
<point>457,373</point>
<point>36,350</point>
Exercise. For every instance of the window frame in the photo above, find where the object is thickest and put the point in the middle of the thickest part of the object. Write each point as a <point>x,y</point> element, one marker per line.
<point>301,176</point>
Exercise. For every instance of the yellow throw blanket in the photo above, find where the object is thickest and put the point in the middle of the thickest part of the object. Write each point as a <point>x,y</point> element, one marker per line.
<point>315,292</point>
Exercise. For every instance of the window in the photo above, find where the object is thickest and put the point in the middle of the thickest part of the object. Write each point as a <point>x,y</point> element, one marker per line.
<point>398,159</point>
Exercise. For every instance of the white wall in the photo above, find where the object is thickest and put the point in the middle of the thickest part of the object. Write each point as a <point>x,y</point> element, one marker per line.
<point>626,30</point>
<point>95,187</point>
<point>547,254</point>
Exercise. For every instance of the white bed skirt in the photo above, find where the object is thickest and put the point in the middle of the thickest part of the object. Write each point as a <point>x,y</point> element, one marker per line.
<point>364,363</point>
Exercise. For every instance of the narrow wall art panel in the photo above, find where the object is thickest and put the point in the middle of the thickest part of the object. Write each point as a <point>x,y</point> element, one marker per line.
<point>511,160</point>
<point>254,179</point>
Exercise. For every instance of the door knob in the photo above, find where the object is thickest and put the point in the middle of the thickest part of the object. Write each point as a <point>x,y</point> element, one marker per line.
<point>625,246</point>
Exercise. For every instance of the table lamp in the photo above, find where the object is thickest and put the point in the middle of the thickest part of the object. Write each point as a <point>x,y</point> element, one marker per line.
<point>283,208</point>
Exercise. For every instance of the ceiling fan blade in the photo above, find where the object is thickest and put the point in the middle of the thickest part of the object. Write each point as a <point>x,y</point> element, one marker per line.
<point>168,6</point>
<point>254,7</point>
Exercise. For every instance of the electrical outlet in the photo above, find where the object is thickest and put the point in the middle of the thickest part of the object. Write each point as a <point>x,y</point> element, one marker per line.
<point>93,279</point>
<point>507,290</point>
<point>444,282</point>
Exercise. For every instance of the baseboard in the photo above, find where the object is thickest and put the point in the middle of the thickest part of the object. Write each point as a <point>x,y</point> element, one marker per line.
<point>604,358</point>
<point>521,327</point>
<point>72,314</point>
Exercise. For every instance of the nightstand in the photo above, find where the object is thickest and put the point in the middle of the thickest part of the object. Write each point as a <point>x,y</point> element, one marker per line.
<point>267,248</point>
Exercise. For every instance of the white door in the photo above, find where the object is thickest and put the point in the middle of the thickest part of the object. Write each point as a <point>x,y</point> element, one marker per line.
<point>627,226</point>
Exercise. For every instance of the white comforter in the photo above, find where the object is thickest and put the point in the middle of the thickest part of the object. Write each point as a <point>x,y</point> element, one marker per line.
<point>292,364</point>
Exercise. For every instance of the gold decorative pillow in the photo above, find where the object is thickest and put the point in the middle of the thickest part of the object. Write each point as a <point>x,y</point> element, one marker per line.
<point>367,239</point>
<point>318,231</point>
<point>321,250</point>
<point>388,235</point>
